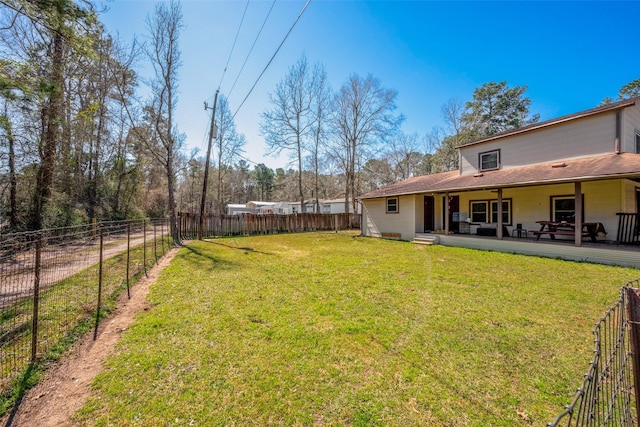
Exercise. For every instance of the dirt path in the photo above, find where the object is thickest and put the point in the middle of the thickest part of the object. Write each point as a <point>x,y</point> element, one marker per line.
<point>58,263</point>
<point>66,385</point>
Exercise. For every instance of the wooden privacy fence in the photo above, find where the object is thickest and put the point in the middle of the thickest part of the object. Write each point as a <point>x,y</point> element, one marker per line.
<point>250,224</point>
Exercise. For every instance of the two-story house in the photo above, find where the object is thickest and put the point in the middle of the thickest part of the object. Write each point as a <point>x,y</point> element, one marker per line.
<point>578,169</point>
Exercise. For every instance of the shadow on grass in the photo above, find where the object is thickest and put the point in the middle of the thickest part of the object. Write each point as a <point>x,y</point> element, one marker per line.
<point>244,248</point>
<point>204,259</point>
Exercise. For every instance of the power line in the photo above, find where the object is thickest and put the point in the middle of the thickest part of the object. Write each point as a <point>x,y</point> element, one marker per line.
<point>252,46</point>
<point>272,58</point>
<point>234,44</point>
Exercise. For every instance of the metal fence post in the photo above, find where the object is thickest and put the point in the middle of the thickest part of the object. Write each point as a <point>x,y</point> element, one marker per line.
<point>128,257</point>
<point>36,299</point>
<point>144,246</point>
<point>162,235</point>
<point>95,331</point>
<point>633,307</point>
<point>155,246</point>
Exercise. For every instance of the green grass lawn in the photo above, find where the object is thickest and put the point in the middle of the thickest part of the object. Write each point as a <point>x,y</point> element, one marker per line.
<point>336,329</point>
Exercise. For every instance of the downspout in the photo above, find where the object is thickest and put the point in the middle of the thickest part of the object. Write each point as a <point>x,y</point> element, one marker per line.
<point>618,131</point>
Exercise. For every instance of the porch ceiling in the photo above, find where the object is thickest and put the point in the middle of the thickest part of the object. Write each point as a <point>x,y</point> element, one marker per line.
<point>609,166</point>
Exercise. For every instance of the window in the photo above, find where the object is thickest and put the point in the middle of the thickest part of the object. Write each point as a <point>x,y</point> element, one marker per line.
<point>563,208</point>
<point>392,205</point>
<point>638,142</point>
<point>487,211</point>
<point>506,211</point>
<point>479,211</point>
<point>489,160</point>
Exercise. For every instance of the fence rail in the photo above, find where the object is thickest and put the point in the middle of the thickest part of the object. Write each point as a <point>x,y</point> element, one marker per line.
<point>606,396</point>
<point>629,228</point>
<point>250,224</point>
<point>53,281</point>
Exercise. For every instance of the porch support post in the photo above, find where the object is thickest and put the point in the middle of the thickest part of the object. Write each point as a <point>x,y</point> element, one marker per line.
<point>579,219</point>
<point>446,213</point>
<point>499,230</point>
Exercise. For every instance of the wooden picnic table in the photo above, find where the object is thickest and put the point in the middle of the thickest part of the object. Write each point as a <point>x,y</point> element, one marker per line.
<point>564,228</point>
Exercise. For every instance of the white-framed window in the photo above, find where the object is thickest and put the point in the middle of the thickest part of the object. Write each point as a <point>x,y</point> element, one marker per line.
<point>637,141</point>
<point>479,210</point>
<point>486,211</point>
<point>489,160</point>
<point>506,211</point>
<point>563,208</point>
<point>393,205</point>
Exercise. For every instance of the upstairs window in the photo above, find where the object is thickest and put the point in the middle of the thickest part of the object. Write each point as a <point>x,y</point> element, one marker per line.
<point>489,160</point>
<point>392,205</point>
<point>638,142</point>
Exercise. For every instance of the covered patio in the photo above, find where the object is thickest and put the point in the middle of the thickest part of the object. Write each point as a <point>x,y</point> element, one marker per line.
<point>575,173</point>
<point>600,252</point>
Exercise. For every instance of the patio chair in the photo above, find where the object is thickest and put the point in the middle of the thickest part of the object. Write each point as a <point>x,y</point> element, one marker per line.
<point>519,232</point>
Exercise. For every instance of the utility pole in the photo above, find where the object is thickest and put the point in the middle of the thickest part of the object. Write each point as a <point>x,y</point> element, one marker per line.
<point>212,134</point>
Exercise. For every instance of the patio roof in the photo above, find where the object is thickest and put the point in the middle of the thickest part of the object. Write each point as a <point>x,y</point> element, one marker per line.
<point>608,166</point>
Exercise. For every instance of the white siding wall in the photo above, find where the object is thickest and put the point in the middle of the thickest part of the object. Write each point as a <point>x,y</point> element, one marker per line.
<point>419,213</point>
<point>631,124</point>
<point>590,136</point>
<point>376,221</point>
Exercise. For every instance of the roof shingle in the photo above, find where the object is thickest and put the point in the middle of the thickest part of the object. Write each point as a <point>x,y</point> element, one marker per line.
<point>625,165</point>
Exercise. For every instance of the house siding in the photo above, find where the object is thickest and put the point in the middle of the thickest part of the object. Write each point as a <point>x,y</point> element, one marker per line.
<point>629,204</point>
<point>594,135</point>
<point>602,200</point>
<point>631,120</point>
<point>376,221</point>
<point>418,202</point>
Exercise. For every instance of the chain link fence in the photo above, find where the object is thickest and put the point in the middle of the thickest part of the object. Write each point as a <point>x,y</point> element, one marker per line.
<point>57,283</point>
<point>607,396</point>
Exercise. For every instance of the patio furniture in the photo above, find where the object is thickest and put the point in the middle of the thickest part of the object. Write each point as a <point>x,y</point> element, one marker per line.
<point>563,228</point>
<point>491,231</point>
<point>519,232</point>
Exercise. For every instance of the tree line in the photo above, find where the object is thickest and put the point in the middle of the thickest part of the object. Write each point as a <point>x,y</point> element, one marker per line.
<point>83,135</point>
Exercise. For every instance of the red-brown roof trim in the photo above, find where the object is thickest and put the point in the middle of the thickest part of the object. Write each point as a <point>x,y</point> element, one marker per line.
<point>608,166</point>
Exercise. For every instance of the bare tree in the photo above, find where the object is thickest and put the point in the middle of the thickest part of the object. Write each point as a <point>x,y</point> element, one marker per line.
<point>229,145</point>
<point>363,120</point>
<point>294,115</point>
<point>164,28</point>
<point>318,133</point>
<point>457,134</point>
<point>404,155</point>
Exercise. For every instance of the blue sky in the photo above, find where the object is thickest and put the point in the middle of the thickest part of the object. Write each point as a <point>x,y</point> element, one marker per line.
<point>571,54</point>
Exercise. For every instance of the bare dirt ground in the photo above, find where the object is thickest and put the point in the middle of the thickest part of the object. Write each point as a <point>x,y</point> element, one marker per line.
<point>58,263</point>
<point>66,385</point>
